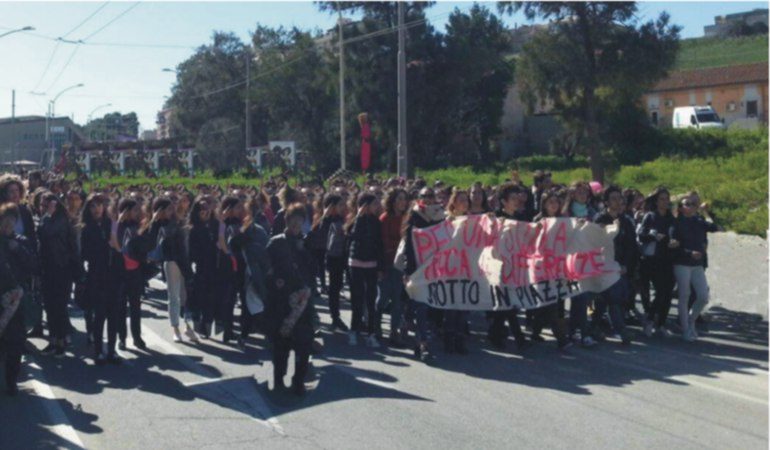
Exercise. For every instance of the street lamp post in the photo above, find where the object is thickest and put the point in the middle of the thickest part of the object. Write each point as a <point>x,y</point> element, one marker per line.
<point>51,109</point>
<point>27,28</point>
<point>90,115</point>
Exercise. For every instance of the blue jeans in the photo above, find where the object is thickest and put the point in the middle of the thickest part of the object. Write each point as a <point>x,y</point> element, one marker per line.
<point>613,300</point>
<point>391,288</point>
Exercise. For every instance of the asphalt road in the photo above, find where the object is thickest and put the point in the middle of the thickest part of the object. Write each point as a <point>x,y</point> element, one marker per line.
<point>657,393</point>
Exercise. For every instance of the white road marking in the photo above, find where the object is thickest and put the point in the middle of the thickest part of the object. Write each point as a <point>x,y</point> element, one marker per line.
<point>682,378</point>
<point>251,397</point>
<point>62,427</point>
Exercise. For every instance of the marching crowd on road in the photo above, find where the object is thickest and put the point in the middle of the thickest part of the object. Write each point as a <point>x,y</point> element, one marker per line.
<point>277,250</point>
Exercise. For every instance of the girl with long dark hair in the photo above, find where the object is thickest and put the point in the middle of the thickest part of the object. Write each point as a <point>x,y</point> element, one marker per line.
<point>335,211</point>
<point>60,267</point>
<point>134,253</point>
<point>365,261</point>
<point>655,235</point>
<point>202,243</point>
<point>169,250</point>
<point>392,283</point>
<point>104,280</point>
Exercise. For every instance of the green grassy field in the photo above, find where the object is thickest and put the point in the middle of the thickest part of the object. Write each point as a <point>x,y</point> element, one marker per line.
<point>736,185</point>
<point>701,53</point>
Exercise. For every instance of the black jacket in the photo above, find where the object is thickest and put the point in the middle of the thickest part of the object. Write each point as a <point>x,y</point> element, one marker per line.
<point>626,251</point>
<point>416,220</point>
<point>29,224</point>
<point>652,224</point>
<point>58,247</point>
<point>279,223</point>
<point>103,261</point>
<point>292,270</point>
<point>691,234</point>
<point>366,239</point>
<point>170,236</point>
<point>202,244</point>
<point>335,236</point>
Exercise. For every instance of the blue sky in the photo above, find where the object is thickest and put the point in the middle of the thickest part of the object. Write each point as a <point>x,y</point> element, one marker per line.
<point>131,78</point>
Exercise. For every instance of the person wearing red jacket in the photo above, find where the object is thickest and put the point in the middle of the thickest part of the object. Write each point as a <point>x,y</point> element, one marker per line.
<point>392,284</point>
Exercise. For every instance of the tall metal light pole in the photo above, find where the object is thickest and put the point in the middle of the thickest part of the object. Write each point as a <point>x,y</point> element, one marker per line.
<point>27,28</point>
<point>342,89</point>
<point>247,110</point>
<point>97,109</point>
<point>90,115</point>
<point>51,110</point>
<point>403,157</point>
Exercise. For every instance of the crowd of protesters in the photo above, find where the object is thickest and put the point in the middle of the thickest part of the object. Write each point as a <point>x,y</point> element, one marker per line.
<point>277,251</point>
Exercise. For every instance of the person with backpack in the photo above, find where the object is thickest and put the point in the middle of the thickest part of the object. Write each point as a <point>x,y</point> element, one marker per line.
<point>166,232</point>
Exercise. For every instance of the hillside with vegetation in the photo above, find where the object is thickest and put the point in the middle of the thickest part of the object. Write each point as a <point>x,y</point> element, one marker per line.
<point>701,53</point>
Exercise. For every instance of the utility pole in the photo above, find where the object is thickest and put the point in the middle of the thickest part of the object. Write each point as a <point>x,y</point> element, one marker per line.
<point>403,156</point>
<point>13,106</point>
<point>248,91</point>
<point>342,89</point>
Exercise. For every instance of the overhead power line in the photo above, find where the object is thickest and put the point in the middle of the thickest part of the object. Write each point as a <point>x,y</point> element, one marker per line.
<point>85,20</point>
<point>126,11</point>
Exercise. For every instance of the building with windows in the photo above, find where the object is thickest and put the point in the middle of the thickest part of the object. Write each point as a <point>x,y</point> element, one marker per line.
<point>163,124</point>
<point>25,137</point>
<point>723,25</point>
<point>737,93</point>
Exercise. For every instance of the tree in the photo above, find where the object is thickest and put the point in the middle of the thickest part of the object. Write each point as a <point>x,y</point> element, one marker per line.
<point>210,84</point>
<point>220,145</point>
<point>295,93</point>
<point>592,55</point>
<point>478,75</point>
<point>113,126</point>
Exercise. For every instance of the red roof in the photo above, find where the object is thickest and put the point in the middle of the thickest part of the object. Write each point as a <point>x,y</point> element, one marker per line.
<point>713,76</point>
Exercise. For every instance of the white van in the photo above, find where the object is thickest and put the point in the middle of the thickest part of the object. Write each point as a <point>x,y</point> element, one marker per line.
<point>696,117</point>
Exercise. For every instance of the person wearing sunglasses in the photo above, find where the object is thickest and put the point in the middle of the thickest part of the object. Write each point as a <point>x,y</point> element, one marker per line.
<point>690,231</point>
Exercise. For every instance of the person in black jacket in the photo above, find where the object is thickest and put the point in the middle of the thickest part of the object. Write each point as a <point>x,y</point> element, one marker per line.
<point>424,214</point>
<point>230,265</point>
<point>18,263</point>
<point>335,210</point>
<point>365,261</point>
<point>134,247</point>
<point>654,235</point>
<point>690,231</point>
<point>202,244</point>
<point>289,309</point>
<point>287,196</point>
<point>61,265</point>
<point>615,297</point>
<point>104,276</point>
<point>249,242</point>
<point>168,235</point>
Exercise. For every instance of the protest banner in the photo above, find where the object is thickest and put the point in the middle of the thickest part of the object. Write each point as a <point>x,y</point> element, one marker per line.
<point>484,263</point>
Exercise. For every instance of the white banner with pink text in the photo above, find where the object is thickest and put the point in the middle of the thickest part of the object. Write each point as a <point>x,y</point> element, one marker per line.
<point>484,263</point>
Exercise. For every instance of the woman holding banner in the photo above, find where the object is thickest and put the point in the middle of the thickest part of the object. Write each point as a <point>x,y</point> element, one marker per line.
<point>454,320</point>
<point>578,205</point>
<point>425,213</point>
<point>550,207</point>
<point>511,207</point>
